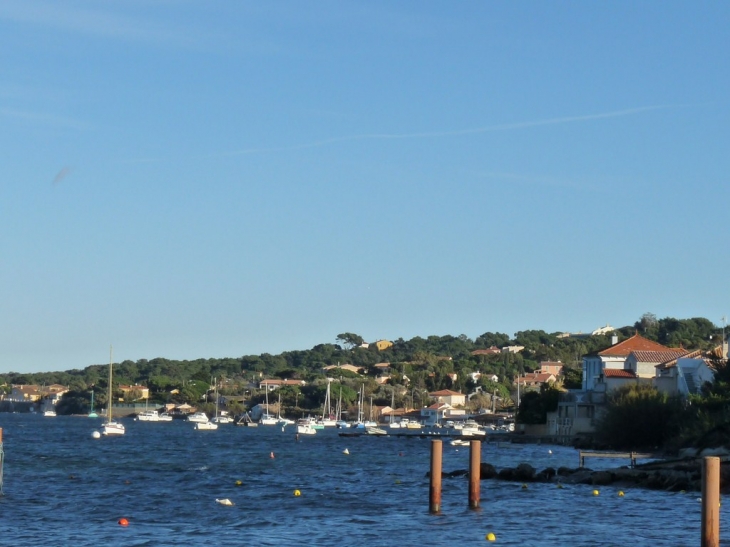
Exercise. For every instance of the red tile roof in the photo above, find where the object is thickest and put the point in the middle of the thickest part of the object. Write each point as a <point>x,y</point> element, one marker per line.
<point>635,343</point>
<point>444,393</point>
<point>658,356</point>
<point>618,373</point>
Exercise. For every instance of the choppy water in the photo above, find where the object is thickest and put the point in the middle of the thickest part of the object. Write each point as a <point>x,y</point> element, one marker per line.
<point>66,488</point>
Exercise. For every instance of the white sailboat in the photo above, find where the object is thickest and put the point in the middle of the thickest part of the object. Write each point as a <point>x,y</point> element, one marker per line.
<point>327,418</point>
<point>111,427</point>
<point>266,418</point>
<point>280,420</point>
<point>220,418</point>
<point>391,423</point>
<point>338,413</point>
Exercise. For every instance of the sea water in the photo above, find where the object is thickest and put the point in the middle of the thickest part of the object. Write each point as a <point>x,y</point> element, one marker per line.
<point>62,486</point>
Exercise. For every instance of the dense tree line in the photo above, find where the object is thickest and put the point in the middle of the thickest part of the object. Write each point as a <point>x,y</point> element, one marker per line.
<point>418,365</point>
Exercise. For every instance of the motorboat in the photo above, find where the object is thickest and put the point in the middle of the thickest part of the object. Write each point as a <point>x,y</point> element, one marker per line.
<point>164,417</point>
<point>148,416</point>
<point>49,413</point>
<point>199,418</point>
<point>206,425</point>
<point>222,420</point>
<point>304,427</point>
<point>372,430</point>
<point>471,429</point>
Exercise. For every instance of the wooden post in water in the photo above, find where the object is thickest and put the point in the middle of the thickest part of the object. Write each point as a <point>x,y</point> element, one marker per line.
<point>434,505</point>
<point>711,502</point>
<point>2,461</point>
<point>475,463</point>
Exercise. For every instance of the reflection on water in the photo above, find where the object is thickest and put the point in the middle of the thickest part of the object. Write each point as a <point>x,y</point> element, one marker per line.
<point>165,477</point>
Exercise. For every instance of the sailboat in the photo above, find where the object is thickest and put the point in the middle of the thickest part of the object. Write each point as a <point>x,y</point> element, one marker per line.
<point>283,422</point>
<point>111,427</point>
<point>92,412</point>
<point>338,413</point>
<point>327,419</point>
<point>391,423</point>
<point>266,418</point>
<point>220,418</point>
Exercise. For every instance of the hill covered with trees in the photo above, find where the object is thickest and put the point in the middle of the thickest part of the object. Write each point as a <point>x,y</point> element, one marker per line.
<point>417,366</point>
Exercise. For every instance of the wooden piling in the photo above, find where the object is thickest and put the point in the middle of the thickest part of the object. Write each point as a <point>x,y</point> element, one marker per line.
<point>434,505</point>
<point>711,502</point>
<point>475,463</point>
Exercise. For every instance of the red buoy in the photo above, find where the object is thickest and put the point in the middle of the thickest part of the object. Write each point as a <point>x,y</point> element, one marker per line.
<point>123,522</point>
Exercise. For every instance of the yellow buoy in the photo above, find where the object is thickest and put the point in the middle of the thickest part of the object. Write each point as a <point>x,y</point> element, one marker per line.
<point>297,493</point>
<point>620,493</point>
<point>595,492</point>
<point>560,485</point>
<point>524,486</point>
<point>490,537</point>
<point>239,483</point>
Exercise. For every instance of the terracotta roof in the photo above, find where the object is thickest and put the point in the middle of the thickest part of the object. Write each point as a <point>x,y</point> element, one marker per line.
<point>658,356</point>
<point>618,373</point>
<point>635,343</point>
<point>536,378</point>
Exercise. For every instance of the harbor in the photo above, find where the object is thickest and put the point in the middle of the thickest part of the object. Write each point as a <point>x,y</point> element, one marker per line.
<point>164,479</point>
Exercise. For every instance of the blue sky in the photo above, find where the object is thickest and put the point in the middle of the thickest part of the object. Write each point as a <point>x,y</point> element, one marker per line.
<point>214,179</point>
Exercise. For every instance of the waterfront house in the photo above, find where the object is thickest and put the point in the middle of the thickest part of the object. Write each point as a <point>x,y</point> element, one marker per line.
<point>614,357</point>
<point>493,350</point>
<point>27,393</point>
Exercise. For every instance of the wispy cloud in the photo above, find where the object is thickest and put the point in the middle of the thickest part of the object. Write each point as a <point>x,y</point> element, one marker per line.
<point>453,133</point>
<point>43,118</point>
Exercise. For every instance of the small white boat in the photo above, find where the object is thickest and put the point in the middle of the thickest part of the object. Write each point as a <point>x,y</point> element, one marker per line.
<point>198,418</point>
<point>371,430</point>
<point>459,442</point>
<point>268,419</point>
<point>222,420</point>
<point>164,417</point>
<point>206,425</point>
<point>112,428</point>
<point>49,413</point>
<point>148,416</point>
<point>304,427</point>
<point>471,428</point>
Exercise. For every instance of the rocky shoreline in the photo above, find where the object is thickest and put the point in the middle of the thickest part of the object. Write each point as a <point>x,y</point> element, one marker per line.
<point>670,475</point>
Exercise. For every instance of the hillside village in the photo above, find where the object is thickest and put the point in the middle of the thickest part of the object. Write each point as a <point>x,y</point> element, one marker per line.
<point>554,384</point>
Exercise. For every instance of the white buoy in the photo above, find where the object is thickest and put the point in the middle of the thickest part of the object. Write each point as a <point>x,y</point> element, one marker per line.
<point>346,451</point>
<point>224,501</point>
<point>96,435</point>
<point>550,451</point>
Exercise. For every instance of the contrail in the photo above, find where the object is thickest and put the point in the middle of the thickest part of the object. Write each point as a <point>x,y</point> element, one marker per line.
<point>453,133</point>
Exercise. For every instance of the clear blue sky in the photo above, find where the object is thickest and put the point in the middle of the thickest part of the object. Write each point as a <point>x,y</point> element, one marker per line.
<point>214,179</point>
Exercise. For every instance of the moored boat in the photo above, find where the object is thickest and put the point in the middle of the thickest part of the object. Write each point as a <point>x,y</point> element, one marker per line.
<point>199,418</point>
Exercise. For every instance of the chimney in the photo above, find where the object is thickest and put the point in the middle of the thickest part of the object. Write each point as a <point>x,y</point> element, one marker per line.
<point>614,340</point>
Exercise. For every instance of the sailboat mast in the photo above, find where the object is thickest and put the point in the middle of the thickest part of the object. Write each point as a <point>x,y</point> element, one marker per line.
<point>109,401</point>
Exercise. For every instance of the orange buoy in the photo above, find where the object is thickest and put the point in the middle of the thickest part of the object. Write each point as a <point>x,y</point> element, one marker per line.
<point>123,522</point>
<point>272,456</point>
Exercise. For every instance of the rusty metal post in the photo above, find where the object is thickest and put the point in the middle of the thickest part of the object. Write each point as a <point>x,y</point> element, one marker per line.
<point>475,463</point>
<point>434,505</point>
<point>711,502</point>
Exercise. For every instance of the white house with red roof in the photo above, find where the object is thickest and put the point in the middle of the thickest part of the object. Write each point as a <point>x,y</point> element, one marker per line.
<point>614,357</point>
